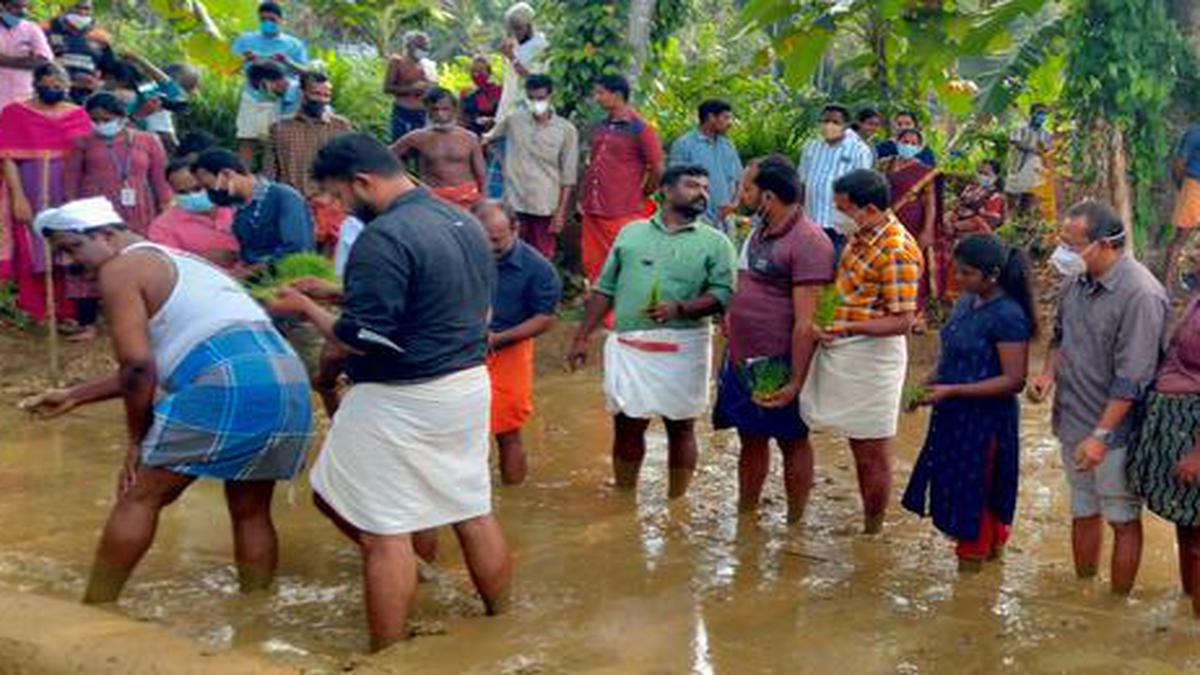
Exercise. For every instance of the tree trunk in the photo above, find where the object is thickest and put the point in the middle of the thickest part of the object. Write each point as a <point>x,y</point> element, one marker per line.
<point>1122,195</point>
<point>641,17</point>
<point>878,30</point>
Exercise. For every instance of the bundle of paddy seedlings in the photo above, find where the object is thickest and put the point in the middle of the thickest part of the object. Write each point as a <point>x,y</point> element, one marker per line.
<point>766,375</point>
<point>827,304</point>
<point>914,393</point>
<point>288,269</point>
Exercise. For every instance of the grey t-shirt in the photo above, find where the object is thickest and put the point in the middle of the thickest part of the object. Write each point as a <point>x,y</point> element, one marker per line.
<point>1111,333</point>
<point>419,285</point>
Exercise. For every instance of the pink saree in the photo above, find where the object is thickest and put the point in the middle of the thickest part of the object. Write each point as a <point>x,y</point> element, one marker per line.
<point>37,144</point>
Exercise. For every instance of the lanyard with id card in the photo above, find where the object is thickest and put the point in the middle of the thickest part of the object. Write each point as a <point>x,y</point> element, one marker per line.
<point>128,195</point>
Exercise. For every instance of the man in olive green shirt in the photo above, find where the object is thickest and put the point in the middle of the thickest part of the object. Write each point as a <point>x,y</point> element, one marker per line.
<point>664,278</point>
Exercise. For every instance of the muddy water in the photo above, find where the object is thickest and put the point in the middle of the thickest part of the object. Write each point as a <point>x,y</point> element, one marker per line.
<point>610,582</point>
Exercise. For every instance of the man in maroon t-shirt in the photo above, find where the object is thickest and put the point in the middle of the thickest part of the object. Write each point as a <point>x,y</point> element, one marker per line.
<point>782,269</point>
<point>626,164</point>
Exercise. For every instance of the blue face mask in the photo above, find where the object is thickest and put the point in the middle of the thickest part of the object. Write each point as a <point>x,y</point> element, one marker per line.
<point>269,28</point>
<point>109,129</point>
<point>195,202</point>
<point>9,19</point>
<point>1039,119</point>
<point>907,150</point>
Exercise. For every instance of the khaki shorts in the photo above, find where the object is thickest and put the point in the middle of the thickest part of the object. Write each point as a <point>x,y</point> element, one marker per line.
<point>1103,491</point>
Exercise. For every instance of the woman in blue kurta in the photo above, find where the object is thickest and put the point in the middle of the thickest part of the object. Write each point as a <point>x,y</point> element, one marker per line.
<point>966,474</point>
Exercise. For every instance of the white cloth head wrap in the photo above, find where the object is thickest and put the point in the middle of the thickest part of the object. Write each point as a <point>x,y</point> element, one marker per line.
<point>80,215</point>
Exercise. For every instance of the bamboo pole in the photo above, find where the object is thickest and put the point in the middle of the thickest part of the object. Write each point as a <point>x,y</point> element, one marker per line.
<point>48,254</point>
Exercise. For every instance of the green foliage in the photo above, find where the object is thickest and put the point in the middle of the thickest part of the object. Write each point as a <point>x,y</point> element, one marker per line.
<point>358,91</point>
<point>901,50</point>
<point>289,269</point>
<point>827,305</point>
<point>913,394</point>
<point>587,41</point>
<point>378,22</point>
<point>1038,60</point>
<point>10,314</point>
<point>1123,64</point>
<point>766,375</point>
<point>770,117</point>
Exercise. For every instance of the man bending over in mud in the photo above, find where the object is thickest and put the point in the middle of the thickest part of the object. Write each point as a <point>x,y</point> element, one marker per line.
<point>235,402</point>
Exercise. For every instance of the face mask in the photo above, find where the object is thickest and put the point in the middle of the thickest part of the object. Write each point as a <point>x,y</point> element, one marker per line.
<point>269,28</point>
<point>222,196</point>
<point>1068,262</point>
<point>1038,120</point>
<point>80,96</point>
<point>985,180</point>
<point>539,107</point>
<point>194,202</point>
<point>314,109</point>
<point>110,128</point>
<point>832,130</point>
<point>78,21</point>
<point>420,54</point>
<point>908,150</point>
<point>842,222</point>
<point>50,95</point>
<point>9,19</point>
<point>692,209</point>
<point>480,79</point>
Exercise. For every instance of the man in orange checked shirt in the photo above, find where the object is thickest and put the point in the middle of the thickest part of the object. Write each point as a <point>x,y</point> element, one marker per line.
<point>854,385</point>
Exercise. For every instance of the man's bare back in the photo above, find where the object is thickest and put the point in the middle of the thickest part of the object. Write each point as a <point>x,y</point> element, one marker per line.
<point>445,157</point>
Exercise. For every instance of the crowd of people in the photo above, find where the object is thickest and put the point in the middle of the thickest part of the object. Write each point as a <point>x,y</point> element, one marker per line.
<point>443,239</point>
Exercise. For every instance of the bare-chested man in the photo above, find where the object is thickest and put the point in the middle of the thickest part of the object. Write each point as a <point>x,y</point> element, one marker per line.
<point>449,157</point>
<point>409,76</point>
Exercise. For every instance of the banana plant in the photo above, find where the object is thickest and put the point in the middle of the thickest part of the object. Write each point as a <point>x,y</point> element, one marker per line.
<point>206,28</point>
<point>908,49</point>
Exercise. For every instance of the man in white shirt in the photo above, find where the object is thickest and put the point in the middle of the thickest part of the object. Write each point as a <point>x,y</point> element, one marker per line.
<point>524,51</point>
<point>836,153</point>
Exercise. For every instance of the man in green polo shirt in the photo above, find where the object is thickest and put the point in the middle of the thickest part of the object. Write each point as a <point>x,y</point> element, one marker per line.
<point>664,278</point>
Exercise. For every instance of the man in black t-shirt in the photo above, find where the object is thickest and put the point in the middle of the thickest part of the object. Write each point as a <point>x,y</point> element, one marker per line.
<point>408,449</point>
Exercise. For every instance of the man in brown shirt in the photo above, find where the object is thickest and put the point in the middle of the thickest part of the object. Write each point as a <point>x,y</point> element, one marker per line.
<point>293,144</point>
<point>449,157</point>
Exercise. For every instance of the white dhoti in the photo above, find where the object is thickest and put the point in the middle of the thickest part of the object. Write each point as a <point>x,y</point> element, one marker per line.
<point>854,387</point>
<point>658,372</point>
<point>406,457</point>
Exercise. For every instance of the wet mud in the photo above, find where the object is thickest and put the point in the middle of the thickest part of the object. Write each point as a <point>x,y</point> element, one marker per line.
<point>607,582</point>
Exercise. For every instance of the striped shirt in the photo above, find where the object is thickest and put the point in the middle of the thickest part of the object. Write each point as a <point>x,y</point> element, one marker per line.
<point>879,273</point>
<point>821,164</point>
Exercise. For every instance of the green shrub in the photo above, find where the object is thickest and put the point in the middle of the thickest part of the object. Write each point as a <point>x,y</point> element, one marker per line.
<point>770,117</point>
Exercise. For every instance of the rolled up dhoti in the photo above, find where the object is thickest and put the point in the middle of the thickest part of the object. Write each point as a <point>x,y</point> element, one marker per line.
<point>658,372</point>
<point>511,370</point>
<point>406,457</point>
<point>463,195</point>
<point>854,387</point>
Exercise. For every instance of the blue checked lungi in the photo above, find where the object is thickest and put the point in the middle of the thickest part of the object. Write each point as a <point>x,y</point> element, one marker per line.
<point>237,407</point>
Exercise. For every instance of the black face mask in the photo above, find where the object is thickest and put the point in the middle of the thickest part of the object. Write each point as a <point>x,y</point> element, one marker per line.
<point>50,95</point>
<point>364,212</point>
<point>693,209</point>
<point>314,109</point>
<point>80,96</point>
<point>223,197</point>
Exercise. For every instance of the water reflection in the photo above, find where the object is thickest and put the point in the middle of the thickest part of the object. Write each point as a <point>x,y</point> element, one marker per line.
<point>614,582</point>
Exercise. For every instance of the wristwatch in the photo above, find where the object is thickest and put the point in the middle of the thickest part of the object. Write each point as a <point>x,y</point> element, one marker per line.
<point>1105,436</point>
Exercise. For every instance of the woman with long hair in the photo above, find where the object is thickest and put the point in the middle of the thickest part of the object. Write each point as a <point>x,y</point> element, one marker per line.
<point>966,475</point>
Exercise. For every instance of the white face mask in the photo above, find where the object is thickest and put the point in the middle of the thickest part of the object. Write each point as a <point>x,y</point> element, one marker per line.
<point>1068,262</point>
<point>78,21</point>
<point>539,107</point>
<point>986,180</point>
<point>110,128</point>
<point>420,54</point>
<point>842,222</point>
